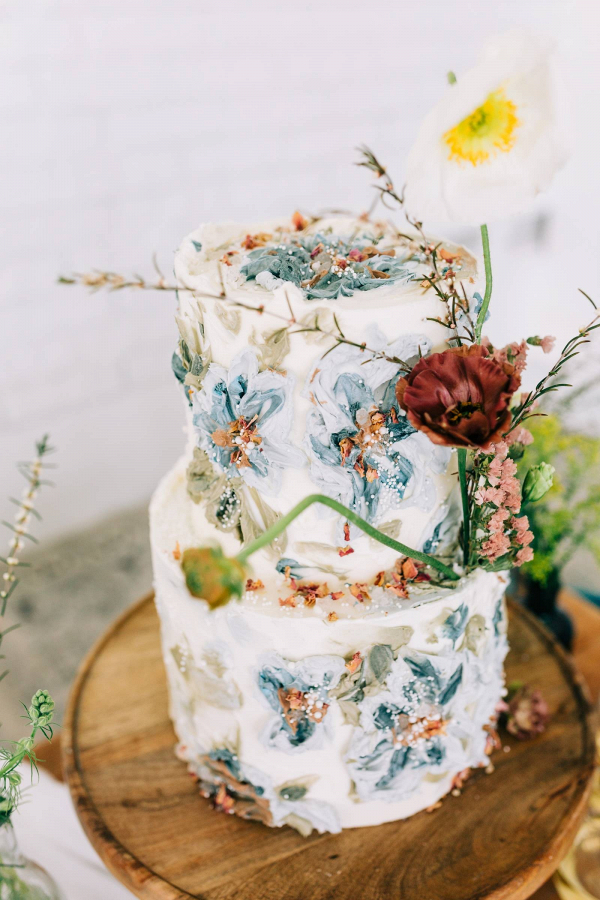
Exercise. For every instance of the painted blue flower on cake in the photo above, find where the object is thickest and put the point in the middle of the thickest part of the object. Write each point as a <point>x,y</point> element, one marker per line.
<point>326,266</point>
<point>405,728</point>
<point>242,419</point>
<point>363,451</point>
<point>299,695</point>
<point>418,723</point>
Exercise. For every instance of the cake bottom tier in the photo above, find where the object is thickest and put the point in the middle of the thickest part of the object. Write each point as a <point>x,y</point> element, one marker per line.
<point>291,719</point>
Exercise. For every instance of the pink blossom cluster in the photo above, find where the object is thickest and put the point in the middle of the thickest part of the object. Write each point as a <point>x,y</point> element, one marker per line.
<point>515,354</point>
<point>519,435</point>
<point>547,343</point>
<point>500,498</point>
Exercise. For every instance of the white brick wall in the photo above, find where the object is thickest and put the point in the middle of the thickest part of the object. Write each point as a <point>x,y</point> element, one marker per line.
<point>127,122</point>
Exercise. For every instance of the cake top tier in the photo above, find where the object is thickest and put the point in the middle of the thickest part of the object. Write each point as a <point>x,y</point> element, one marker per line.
<point>294,334</point>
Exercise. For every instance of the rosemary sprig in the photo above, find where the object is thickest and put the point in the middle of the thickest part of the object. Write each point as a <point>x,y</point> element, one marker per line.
<point>369,161</point>
<point>98,280</point>
<point>32,472</point>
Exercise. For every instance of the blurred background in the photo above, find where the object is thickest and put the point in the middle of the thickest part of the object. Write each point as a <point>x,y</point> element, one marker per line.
<point>124,125</point>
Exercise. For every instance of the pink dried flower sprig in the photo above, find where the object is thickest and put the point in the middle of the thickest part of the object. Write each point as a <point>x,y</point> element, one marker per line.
<point>500,535</point>
<point>546,343</point>
<point>514,354</point>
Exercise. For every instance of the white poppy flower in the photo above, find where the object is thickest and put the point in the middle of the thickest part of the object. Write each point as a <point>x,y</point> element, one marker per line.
<point>493,142</point>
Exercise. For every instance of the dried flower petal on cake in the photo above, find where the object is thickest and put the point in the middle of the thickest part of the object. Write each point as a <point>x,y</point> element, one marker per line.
<point>494,141</point>
<point>229,791</point>
<point>242,419</point>
<point>460,397</point>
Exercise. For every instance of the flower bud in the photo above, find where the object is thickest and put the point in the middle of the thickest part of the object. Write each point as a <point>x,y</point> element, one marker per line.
<point>538,482</point>
<point>211,576</point>
<point>42,708</point>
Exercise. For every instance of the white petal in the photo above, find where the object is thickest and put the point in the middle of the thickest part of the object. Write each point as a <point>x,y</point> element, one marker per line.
<point>441,188</point>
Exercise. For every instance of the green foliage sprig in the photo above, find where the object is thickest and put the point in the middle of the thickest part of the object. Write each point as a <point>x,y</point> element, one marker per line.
<point>40,712</point>
<point>568,516</point>
<point>39,716</point>
<point>32,472</point>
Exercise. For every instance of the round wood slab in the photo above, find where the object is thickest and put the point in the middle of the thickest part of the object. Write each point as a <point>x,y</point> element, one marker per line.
<point>502,837</point>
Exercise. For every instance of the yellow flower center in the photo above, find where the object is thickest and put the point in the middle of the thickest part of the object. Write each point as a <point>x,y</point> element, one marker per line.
<point>488,130</point>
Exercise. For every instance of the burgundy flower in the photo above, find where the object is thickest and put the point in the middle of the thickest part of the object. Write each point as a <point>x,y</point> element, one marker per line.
<point>459,397</point>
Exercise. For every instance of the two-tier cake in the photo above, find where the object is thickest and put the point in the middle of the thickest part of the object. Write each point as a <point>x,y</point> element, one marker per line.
<point>349,686</point>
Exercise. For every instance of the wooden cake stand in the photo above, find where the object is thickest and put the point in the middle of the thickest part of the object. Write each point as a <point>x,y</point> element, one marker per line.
<point>501,838</point>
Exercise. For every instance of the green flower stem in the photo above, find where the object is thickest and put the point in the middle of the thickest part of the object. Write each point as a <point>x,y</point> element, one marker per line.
<point>275,530</point>
<point>485,240</point>
<point>461,453</point>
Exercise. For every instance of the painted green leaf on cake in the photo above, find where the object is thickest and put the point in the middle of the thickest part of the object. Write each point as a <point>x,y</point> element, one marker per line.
<point>200,475</point>
<point>423,669</point>
<point>224,502</point>
<point>251,528</point>
<point>454,625</point>
<point>230,318</point>
<point>498,616</point>
<point>381,660</point>
<point>210,684</point>
<point>293,792</point>
<point>400,758</point>
<point>386,716</point>
<point>475,634</point>
<point>179,370</point>
<point>272,346</point>
<point>303,826</point>
<point>350,711</point>
<point>452,686</point>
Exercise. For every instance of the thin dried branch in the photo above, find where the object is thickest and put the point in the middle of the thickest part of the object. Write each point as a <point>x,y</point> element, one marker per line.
<point>548,384</point>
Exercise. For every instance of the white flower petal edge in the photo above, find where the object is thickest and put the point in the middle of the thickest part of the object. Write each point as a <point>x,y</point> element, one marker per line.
<point>516,156</point>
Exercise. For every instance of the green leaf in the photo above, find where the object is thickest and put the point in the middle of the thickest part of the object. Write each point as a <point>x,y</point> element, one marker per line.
<point>452,686</point>
<point>381,660</point>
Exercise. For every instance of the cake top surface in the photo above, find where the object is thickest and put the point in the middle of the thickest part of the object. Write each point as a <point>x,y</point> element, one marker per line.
<point>320,259</point>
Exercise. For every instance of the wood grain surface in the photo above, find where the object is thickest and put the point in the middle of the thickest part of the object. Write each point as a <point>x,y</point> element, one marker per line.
<point>501,838</point>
